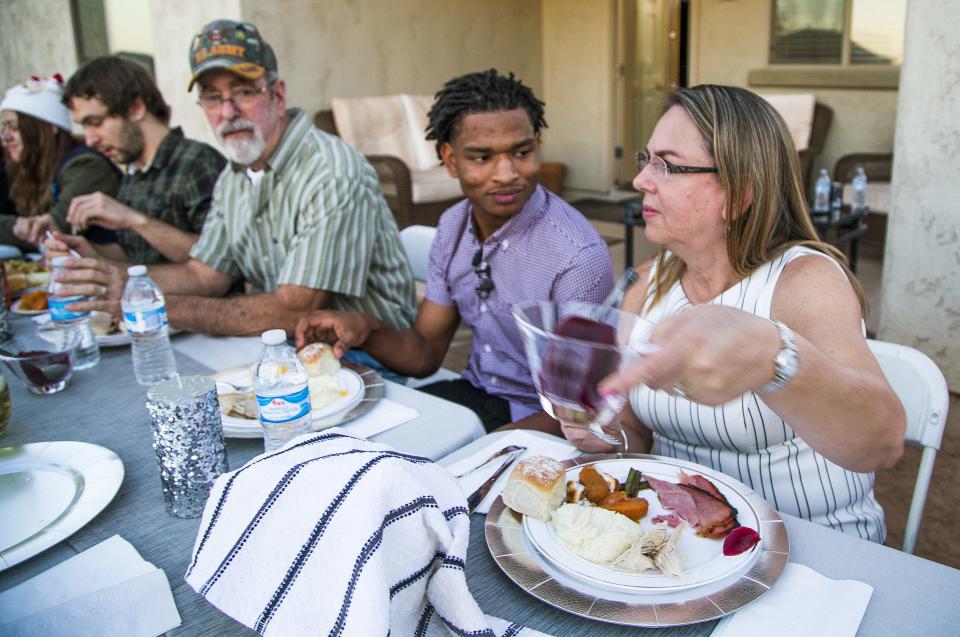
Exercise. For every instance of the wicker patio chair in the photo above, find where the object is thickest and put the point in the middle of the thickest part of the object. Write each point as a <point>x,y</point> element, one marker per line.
<point>876,166</point>
<point>395,182</point>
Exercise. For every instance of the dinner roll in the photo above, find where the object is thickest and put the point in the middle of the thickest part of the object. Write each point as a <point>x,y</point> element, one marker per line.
<point>319,359</point>
<point>535,487</point>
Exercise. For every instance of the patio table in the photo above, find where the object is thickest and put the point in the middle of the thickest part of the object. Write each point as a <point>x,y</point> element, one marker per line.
<point>911,595</point>
<point>105,406</point>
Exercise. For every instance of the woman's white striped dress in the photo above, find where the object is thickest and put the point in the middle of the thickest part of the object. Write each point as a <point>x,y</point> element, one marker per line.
<point>745,439</point>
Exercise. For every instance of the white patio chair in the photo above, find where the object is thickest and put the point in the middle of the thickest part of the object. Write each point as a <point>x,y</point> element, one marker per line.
<point>922,389</point>
<point>416,243</point>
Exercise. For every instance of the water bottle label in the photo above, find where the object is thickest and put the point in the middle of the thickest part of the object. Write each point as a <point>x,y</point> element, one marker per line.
<point>148,321</point>
<point>58,308</point>
<point>281,409</point>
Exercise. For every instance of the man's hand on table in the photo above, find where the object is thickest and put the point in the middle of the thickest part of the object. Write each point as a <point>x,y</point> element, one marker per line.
<point>96,279</point>
<point>102,210</point>
<point>344,329</point>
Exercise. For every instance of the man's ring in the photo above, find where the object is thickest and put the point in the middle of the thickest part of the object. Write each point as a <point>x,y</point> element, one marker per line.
<point>103,290</point>
<point>680,389</point>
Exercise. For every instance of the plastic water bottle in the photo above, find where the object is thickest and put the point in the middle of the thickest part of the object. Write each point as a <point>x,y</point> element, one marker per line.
<point>859,190</point>
<point>821,196</point>
<point>88,352</point>
<point>145,317</point>
<point>283,397</point>
<point>836,200</point>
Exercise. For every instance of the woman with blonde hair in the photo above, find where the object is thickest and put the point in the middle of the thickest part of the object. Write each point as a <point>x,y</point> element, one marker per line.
<point>763,370</point>
<point>46,166</point>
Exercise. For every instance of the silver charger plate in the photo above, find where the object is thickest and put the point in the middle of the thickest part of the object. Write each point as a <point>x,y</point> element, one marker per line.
<point>373,391</point>
<point>49,490</point>
<point>521,562</point>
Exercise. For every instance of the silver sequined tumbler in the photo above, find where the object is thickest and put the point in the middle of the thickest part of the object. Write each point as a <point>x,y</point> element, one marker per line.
<point>188,439</point>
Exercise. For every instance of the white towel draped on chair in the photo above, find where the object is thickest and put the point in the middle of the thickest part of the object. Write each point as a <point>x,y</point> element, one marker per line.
<point>334,535</point>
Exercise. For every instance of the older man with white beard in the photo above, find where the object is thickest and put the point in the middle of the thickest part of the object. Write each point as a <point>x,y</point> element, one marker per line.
<point>298,214</point>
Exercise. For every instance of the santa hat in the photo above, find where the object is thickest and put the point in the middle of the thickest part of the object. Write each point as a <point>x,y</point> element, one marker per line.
<point>40,97</point>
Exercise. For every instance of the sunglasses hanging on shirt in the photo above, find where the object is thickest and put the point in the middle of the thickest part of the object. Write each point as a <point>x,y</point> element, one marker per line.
<point>482,269</point>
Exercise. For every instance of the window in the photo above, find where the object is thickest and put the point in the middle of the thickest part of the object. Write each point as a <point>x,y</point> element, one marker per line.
<point>840,32</point>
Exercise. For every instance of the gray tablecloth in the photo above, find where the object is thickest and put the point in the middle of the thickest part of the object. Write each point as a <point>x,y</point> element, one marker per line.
<point>105,406</point>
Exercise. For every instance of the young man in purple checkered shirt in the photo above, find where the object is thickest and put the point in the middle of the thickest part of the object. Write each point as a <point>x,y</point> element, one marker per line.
<point>510,240</point>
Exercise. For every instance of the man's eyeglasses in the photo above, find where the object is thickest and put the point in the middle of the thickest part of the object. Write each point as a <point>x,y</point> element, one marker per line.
<point>242,98</point>
<point>663,169</point>
<point>482,269</point>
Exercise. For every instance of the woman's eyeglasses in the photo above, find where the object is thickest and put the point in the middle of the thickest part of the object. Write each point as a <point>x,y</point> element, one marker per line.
<point>663,169</point>
<point>482,269</point>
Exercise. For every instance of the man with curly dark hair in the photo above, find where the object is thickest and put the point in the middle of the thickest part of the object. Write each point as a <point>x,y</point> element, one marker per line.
<point>510,240</point>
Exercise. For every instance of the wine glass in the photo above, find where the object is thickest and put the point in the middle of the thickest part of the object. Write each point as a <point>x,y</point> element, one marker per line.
<point>570,348</point>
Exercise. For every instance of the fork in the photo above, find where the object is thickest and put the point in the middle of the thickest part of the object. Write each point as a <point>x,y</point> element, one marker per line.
<point>503,451</point>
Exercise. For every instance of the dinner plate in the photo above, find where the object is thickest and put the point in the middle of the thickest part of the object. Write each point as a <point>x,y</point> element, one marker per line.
<point>704,561</point>
<point>363,387</point>
<point>48,490</point>
<point>556,582</point>
<point>15,308</point>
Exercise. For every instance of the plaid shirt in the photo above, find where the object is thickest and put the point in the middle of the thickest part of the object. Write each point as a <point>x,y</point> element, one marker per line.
<point>175,188</point>
<point>546,252</point>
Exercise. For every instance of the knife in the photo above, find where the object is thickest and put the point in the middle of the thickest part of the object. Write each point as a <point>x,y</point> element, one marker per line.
<point>496,455</point>
<point>477,496</point>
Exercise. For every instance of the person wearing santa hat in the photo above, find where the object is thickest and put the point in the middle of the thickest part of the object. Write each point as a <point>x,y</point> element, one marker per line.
<point>45,164</point>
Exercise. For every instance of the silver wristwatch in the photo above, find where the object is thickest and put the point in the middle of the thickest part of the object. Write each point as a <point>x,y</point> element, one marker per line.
<point>787,362</point>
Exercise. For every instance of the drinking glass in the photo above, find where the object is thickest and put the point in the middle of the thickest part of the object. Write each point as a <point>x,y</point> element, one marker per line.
<point>44,363</point>
<point>570,348</point>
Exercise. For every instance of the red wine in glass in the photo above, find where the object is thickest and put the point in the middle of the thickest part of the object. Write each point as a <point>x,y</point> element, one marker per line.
<point>574,365</point>
<point>45,368</point>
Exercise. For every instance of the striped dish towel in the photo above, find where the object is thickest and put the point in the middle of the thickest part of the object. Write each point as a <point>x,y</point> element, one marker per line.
<point>336,535</point>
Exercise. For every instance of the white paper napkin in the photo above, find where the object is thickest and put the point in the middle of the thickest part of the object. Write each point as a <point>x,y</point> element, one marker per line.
<point>802,602</point>
<point>106,590</point>
<point>385,415</point>
<point>536,446</point>
<point>219,352</point>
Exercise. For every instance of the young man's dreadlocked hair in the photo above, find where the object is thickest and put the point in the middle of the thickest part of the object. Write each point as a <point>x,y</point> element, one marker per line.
<point>483,92</point>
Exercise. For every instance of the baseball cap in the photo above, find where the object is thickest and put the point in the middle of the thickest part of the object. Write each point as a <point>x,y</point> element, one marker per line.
<point>40,97</point>
<point>234,46</point>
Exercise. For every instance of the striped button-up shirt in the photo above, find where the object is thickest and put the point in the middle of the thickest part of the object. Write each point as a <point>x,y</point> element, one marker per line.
<point>316,218</point>
<point>546,252</point>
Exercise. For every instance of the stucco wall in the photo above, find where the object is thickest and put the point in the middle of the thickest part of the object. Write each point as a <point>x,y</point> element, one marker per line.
<point>921,273</point>
<point>370,47</point>
<point>578,78</point>
<point>36,38</point>
<point>728,39</point>
<point>174,23</point>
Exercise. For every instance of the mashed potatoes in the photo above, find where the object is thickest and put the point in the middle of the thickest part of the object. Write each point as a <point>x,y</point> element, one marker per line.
<point>593,533</point>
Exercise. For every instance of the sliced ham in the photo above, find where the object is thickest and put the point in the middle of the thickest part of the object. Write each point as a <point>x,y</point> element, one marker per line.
<point>703,484</point>
<point>671,519</point>
<point>712,517</point>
